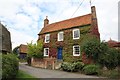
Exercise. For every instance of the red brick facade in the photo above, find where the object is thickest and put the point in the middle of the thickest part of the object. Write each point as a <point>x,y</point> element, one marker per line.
<point>87,22</point>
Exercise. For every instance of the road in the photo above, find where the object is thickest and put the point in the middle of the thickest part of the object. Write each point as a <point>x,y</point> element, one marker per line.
<point>45,73</point>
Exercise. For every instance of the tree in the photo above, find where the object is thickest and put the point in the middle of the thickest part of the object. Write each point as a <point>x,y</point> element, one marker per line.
<point>91,47</point>
<point>111,58</point>
<point>15,50</point>
<point>101,53</point>
<point>35,50</point>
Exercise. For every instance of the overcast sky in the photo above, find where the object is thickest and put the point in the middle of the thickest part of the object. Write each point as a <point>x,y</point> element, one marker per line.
<point>24,18</point>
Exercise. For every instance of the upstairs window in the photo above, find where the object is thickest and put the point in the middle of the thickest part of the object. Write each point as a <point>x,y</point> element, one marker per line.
<point>60,36</point>
<point>76,50</point>
<point>46,51</point>
<point>47,38</point>
<point>76,34</point>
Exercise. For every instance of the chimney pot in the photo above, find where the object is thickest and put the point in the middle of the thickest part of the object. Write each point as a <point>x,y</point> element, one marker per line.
<point>46,21</point>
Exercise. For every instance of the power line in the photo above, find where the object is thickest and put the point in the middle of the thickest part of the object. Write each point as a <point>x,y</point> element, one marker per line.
<point>78,7</point>
<point>92,2</point>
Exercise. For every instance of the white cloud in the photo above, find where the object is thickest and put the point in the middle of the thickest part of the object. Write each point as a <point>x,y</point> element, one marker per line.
<point>25,17</point>
<point>19,37</point>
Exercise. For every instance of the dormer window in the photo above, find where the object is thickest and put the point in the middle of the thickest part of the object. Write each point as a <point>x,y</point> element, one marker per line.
<point>47,38</point>
<point>76,33</point>
<point>60,36</point>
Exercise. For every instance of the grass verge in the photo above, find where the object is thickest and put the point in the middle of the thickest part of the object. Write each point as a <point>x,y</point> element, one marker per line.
<point>24,76</point>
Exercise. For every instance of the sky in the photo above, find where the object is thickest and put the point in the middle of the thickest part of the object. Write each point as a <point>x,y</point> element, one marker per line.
<point>24,18</point>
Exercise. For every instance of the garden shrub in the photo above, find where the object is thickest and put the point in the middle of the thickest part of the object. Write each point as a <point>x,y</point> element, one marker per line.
<point>111,59</point>
<point>91,69</point>
<point>110,73</point>
<point>78,65</point>
<point>67,66</point>
<point>72,67</point>
<point>35,51</point>
<point>9,66</point>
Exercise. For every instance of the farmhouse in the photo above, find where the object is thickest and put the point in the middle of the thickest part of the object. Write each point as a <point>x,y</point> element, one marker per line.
<point>5,40</point>
<point>23,51</point>
<point>63,39</point>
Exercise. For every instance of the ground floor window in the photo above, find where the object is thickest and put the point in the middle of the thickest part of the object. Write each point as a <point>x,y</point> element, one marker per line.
<point>76,50</point>
<point>46,51</point>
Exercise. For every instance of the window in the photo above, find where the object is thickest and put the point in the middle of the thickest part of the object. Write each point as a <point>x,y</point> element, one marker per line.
<point>76,50</point>
<point>76,34</point>
<point>60,36</point>
<point>46,51</point>
<point>47,38</point>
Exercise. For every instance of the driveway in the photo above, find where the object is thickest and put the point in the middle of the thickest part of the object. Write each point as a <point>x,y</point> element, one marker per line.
<point>45,73</point>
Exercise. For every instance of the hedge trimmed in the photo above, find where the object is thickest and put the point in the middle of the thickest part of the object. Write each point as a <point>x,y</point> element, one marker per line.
<point>9,66</point>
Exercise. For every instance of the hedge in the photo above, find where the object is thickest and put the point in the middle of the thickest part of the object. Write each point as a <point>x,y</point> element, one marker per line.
<point>10,66</point>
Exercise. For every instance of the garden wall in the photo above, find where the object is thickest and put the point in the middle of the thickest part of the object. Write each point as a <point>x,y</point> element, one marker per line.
<point>46,63</point>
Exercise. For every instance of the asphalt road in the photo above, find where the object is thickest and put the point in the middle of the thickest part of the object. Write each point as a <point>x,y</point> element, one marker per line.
<point>45,73</point>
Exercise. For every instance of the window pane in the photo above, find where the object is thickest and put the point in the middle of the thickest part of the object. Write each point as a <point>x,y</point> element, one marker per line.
<point>76,50</point>
<point>46,51</point>
<point>60,36</point>
<point>47,38</point>
<point>76,34</point>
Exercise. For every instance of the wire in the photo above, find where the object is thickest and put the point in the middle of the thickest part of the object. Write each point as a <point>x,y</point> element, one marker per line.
<point>78,7</point>
<point>92,2</point>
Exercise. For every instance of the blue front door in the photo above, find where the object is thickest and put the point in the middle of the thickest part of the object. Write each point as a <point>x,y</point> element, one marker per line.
<point>59,55</point>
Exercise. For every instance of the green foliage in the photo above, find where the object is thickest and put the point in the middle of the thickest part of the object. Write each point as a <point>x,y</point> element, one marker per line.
<point>22,74</point>
<point>111,58</point>
<point>70,58</point>
<point>110,73</point>
<point>69,42</point>
<point>15,50</point>
<point>91,69</point>
<point>72,67</point>
<point>118,57</point>
<point>9,66</point>
<point>35,50</point>
<point>101,53</point>
<point>91,46</point>
<point>78,65</point>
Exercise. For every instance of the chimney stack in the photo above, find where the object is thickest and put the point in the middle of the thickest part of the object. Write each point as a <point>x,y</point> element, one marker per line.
<point>94,25</point>
<point>46,21</point>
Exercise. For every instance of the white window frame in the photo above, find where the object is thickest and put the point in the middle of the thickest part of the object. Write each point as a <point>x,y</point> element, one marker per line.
<point>59,39</point>
<point>78,33</point>
<point>74,50</point>
<point>45,51</point>
<point>46,38</point>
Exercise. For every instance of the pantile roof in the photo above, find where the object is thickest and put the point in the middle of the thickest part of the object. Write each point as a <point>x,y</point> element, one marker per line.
<point>23,48</point>
<point>69,23</point>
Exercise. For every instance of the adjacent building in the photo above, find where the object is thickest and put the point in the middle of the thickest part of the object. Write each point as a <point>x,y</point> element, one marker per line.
<point>113,44</point>
<point>5,40</point>
<point>23,51</point>
<point>64,38</point>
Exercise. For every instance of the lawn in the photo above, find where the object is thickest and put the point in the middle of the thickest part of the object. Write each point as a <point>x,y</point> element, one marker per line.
<point>24,76</point>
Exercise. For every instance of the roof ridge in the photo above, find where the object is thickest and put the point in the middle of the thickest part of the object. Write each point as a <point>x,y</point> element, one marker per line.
<point>68,19</point>
<point>68,23</point>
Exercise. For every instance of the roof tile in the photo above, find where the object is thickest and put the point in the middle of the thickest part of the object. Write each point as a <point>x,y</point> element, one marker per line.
<point>69,23</point>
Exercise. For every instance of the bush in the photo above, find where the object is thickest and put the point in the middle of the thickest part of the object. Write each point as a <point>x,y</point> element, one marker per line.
<point>9,66</point>
<point>110,73</point>
<point>111,59</point>
<point>72,67</point>
<point>78,65</point>
<point>91,69</point>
